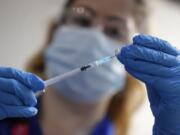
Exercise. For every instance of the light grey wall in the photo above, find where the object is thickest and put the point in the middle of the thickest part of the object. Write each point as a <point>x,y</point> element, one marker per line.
<point>166,19</point>
<point>23,26</point>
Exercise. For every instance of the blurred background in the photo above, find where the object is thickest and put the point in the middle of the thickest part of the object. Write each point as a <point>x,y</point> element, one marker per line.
<point>23,28</point>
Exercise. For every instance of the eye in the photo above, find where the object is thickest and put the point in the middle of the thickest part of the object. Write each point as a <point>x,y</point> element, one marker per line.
<point>82,21</point>
<point>113,32</point>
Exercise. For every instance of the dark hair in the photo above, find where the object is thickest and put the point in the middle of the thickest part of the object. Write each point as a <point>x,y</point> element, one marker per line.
<point>69,3</point>
<point>178,1</point>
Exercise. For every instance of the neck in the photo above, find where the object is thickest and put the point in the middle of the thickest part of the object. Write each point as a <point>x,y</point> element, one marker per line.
<point>61,116</point>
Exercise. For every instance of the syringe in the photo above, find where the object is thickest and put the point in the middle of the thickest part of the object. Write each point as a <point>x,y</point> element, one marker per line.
<point>76,71</point>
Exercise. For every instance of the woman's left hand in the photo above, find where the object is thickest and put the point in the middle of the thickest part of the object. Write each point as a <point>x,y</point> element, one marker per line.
<point>157,64</point>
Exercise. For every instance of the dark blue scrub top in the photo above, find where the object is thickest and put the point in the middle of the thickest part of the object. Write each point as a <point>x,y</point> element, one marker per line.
<point>30,126</point>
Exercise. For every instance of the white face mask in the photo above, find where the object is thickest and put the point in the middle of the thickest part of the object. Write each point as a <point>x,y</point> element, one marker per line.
<point>73,47</point>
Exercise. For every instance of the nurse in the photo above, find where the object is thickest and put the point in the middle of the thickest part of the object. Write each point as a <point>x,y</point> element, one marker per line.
<point>98,102</point>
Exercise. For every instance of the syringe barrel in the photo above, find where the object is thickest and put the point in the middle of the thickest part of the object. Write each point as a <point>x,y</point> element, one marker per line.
<point>61,77</point>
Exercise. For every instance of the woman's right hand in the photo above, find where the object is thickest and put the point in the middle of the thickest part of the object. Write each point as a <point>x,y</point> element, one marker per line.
<point>157,63</point>
<point>17,88</point>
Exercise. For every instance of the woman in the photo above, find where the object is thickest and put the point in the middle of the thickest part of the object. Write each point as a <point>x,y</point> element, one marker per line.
<point>61,111</point>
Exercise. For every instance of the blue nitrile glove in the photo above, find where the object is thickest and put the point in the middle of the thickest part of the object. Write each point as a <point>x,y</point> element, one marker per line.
<point>156,63</point>
<point>17,98</point>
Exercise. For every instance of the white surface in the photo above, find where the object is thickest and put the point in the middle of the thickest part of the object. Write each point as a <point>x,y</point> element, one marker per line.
<point>23,26</point>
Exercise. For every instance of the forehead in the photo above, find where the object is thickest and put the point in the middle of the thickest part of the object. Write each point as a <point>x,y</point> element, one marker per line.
<point>107,7</point>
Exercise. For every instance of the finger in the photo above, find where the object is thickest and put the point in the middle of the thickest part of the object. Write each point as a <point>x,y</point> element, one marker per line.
<point>16,111</point>
<point>148,68</point>
<point>145,54</point>
<point>148,79</point>
<point>17,89</point>
<point>9,99</point>
<point>28,79</point>
<point>155,43</point>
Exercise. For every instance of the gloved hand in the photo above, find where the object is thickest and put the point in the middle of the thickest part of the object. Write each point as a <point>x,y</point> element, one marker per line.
<point>17,98</point>
<point>157,64</point>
